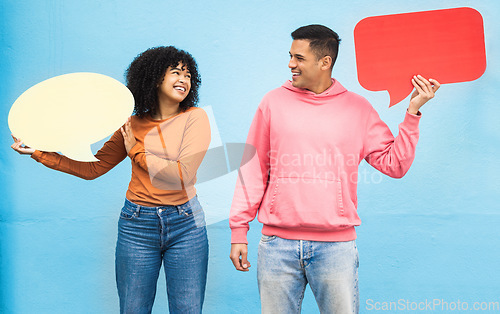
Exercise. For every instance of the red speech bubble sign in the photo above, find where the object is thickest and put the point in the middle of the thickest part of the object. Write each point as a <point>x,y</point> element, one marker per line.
<point>446,45</point>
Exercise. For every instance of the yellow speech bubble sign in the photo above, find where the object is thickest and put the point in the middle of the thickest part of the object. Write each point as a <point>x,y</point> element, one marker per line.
<point>68,113</point>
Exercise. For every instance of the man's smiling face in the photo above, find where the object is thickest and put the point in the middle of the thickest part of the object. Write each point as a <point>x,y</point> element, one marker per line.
<point>305,66</point>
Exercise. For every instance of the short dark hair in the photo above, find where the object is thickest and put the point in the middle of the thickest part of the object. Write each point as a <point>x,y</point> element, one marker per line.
<point>147,71</point>
<point>322,40</point>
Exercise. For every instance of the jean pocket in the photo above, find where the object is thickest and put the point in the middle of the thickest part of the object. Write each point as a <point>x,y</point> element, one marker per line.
<point>193,210</point>
<point>190,208</point>
<point>127,213</point>
<point>266,238</point>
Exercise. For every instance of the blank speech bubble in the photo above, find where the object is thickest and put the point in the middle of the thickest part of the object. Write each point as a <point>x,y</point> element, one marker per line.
<point>446,45</point>
<point>68,113</point>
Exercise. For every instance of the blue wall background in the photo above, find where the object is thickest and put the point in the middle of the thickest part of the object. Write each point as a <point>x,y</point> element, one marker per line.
<point>431,236</point>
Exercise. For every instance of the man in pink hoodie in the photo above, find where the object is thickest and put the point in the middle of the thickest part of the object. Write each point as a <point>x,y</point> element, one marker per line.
<point>300,175</point>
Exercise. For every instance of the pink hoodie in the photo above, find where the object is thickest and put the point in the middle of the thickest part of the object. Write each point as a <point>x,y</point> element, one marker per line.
<point>302,179</point>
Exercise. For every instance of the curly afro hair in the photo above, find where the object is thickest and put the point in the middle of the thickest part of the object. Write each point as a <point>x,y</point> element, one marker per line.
<point>147,71</point>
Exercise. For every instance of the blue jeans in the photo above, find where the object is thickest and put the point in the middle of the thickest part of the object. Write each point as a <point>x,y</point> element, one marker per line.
<point>285,267</point>
<point>148,236</point>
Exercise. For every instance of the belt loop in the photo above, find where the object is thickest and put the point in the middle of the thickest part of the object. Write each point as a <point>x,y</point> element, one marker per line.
<point>138,211</point>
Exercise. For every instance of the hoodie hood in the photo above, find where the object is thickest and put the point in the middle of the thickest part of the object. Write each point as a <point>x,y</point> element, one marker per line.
<point>335,89</point>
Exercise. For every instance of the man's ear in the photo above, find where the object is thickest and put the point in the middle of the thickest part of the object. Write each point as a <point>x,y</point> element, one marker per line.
<point>326,62</point>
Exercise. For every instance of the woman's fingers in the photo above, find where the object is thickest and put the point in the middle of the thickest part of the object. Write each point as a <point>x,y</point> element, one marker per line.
<point>126,128</point>
<point>19,147</point>
<point>129,127</point>
<point>124,134</point>
<point>17,143</point>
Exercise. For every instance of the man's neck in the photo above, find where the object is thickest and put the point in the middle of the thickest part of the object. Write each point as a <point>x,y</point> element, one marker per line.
<point>323,86</point>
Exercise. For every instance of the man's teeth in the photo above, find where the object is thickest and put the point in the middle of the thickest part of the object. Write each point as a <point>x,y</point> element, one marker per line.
<point>295,74</point>
<point>180,88</point>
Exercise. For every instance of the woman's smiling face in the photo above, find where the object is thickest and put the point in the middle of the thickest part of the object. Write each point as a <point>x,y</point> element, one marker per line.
<point>176,84</point>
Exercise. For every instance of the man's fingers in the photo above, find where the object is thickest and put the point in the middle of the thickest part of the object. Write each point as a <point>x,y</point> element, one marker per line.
<point>238,256</point>
<point>417,86</point>
<point>424,84</point>
<point>243,265</point>
<point>423,79</point>
<point>244,262</point>
<point>426,88</point>
<point>436,84</point>
<point>236,262</point>
<point>431,85</point>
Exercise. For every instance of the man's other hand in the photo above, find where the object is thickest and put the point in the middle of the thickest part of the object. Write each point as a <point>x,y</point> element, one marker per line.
<point>239,256</point>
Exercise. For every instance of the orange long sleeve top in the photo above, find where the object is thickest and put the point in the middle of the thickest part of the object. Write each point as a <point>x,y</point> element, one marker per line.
<point>164,159</point>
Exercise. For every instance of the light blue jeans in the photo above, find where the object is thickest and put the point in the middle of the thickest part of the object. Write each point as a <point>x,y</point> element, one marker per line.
<point>285,267</point>
<point>149,236</point>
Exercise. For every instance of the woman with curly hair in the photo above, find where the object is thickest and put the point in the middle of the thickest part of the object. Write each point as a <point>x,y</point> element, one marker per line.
<point>162,220</point>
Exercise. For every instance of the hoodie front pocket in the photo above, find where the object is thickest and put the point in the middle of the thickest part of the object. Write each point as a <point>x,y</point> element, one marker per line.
<point>308,203</point>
